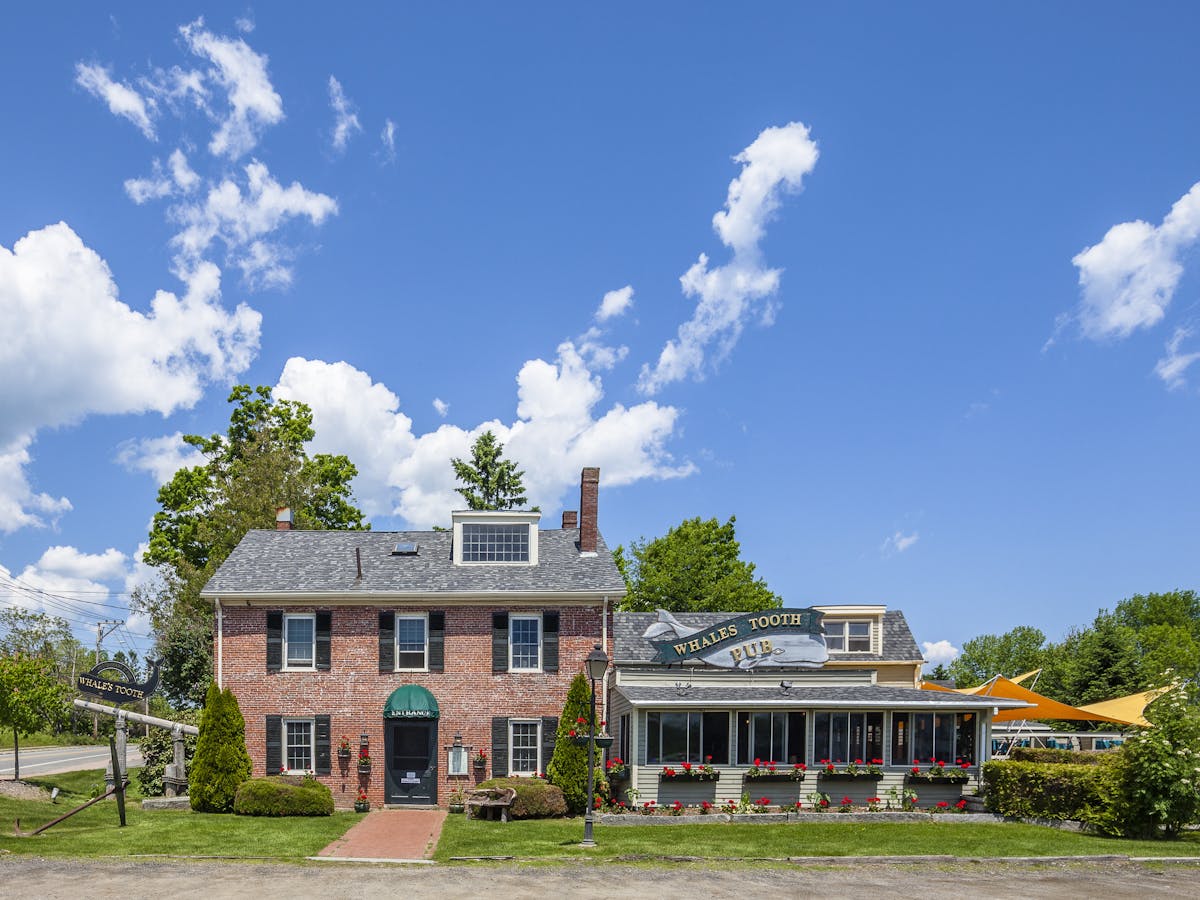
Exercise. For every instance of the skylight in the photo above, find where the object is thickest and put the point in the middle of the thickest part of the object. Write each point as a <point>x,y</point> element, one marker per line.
<point>405,548</point>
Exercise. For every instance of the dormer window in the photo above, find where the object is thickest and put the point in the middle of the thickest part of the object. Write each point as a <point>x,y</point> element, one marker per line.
<point>498,538</point>
<point>854,637</point>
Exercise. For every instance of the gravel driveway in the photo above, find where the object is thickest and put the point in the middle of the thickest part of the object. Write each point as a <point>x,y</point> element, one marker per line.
<point>69,879</point>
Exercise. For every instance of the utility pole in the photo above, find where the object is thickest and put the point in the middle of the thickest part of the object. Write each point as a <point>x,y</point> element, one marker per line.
<point>101,634</point>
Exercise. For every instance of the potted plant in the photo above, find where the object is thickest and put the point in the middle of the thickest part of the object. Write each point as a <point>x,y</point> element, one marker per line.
<point>344,749</point>
<point>616,769</point>
<point>361,804</point>
<point>458,801</point>
<point>479,760</point>
<point>364,760</point>
<point>772,771</point>
<point>690,772</point>
<point>579,734</point>
<point>939,773</point>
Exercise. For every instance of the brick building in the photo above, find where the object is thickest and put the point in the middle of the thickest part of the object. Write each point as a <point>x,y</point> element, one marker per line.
<point>406,643</point>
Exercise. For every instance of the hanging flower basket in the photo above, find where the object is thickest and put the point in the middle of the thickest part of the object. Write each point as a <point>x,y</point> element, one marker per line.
<point>362,806</point>
<point>344,754</point>
<point>364,768</point>
<point>604,741</point>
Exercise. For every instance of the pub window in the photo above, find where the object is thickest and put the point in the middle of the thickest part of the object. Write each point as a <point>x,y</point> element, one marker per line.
<point>677,737</point>
<point>525,643</point>
<point>525,745</point>
<point>771,737</point>
<point>299,641</point>
<point>945,737</point>
<point>492,543</point>
<point>412,637</point>
<point>623,739</point>
<point>298,745</point>
<point>846,736</point>
<point>854,637</point>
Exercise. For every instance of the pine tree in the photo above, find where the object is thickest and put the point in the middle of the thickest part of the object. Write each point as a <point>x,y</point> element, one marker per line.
<point>568,766</point>
<point>221,762</point>
<point>490,481</point>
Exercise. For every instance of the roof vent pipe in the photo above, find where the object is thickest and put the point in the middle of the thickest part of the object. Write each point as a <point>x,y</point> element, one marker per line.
<point>358,561</point>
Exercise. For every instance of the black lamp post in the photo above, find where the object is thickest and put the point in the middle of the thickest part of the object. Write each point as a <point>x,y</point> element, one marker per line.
<point>597,664</point>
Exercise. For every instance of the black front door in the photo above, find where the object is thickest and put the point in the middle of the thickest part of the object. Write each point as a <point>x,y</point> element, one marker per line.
<point>411,750</point>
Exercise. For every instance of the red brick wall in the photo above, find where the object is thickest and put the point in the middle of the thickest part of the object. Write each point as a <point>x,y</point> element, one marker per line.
<point>353,692</point>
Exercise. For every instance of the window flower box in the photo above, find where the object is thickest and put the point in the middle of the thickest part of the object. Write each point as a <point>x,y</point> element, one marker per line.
<point>852,771</point>
<point>935,779</point>
<point>847,776</point>
<point>689,772</point>
<point>939,773</point>
<point>772,771</point>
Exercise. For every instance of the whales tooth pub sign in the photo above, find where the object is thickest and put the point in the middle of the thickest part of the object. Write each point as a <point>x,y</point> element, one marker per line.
<point>776,637</point>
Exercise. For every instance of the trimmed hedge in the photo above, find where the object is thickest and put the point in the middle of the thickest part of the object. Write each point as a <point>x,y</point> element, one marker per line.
<point>535,799</point>
<point>283,795</point>
<point>1029,790</point>
<point>1051,755</point>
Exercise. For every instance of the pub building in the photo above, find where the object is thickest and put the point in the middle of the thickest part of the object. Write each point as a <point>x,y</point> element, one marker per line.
<point>413,664</point>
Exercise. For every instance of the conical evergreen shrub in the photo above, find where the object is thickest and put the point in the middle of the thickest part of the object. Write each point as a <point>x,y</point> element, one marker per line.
<point>221,762</point>
<point>568,766</point>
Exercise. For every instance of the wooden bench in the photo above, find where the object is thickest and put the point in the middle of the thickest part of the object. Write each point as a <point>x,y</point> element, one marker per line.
<point>491,802</point>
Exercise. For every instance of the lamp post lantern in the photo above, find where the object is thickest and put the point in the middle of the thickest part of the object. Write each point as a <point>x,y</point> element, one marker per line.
<point>596,664</point>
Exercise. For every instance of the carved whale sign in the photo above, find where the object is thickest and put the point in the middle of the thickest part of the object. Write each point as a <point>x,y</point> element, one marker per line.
<point>781,638</point>
<point>98,684</point>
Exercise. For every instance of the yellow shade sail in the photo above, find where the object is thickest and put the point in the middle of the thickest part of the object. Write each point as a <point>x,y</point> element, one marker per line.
<point>1043,707</point>
<point>1128,709</point>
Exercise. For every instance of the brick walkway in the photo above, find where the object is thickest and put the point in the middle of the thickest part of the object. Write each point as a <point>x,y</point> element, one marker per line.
<point>396,834</point>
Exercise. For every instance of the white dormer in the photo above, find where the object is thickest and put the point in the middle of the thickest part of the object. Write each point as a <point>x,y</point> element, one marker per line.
<point>495,538</point>
<point>853,629</point>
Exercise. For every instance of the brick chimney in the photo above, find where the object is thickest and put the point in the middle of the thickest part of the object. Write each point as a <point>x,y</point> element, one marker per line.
<point>570,518</point>
<point>283,518</point>
<point>589,488</point>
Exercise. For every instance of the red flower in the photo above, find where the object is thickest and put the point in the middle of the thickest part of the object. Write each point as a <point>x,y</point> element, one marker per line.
<point>942,804</point>
<point>915,770</point>
<point>764,801</point>
<point>961,804</point>
<point>757,762</point>
<point>708,758</point>
<point>858,762</point>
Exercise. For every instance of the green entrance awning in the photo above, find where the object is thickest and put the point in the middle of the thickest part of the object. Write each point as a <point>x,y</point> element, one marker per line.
<point>410,701</point>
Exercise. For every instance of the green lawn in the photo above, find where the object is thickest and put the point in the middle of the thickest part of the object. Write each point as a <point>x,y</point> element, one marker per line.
<point>95,831</point>
<point>560,838</point>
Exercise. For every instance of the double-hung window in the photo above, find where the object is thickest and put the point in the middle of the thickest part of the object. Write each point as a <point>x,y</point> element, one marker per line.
<point>412,643</point>
<point>298,751</point>
<point>524,643</point>
<point>524,747</point>
<point>854,637</point>
<point>299,641</point>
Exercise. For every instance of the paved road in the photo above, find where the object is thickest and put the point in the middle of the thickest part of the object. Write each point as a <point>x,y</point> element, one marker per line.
<point>51,879</point>
<point>52,760</point>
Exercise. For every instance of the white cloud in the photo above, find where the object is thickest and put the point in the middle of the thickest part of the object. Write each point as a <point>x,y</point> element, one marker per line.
<point>242,73</point>
<point>71,563</point>
<point>244,24</point>
<point>243,222</point>
<point>556,433</point>
<point>162,456</point>
<point>122,100</point>
<point>345,119</point>
<point>899,542</point>
<point>441,407</point>
<point>1129,278</point>
<point>615,303</point>
<point>388,137</point>
<point>71,348</point>
<point>182,180</point>
<point>1172,368</point>
<point>939,652</point>
<point>728,295</point>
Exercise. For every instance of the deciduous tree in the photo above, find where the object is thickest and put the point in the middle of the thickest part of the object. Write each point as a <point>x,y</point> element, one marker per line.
<point>1009,654</point>
<point>31,698</point>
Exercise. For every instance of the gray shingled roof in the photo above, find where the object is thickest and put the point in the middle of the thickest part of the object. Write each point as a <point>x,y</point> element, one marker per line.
<point>323,562</point>
<point>841,696</point>
<point>630,646</point>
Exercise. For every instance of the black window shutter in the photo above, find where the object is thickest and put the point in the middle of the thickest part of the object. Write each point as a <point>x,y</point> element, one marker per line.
<point>322,742</point>
<point>549,733</point>
<point>274,744</point>
<point>499,747</point>
<point>499,642</point>
<point>387,642</point>
<point>274,641</point>
<point>437,642</point>
<point>550,641</point>
<point>324,625</point>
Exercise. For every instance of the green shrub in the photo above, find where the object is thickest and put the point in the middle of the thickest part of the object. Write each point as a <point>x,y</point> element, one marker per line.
<point>535,799</point>
<point>1160,768</point>
<point>221,763</point>
<point>1051,755</point>
<point>1028,790</point>
<point>568,765</point>
<point>158,751</point>
<point>283,795</point>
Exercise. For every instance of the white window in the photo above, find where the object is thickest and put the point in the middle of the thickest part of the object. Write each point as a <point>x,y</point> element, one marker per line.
<point>298,750</point>
<point>848,636</point>
<point>412,643</point>
<point>525,643</point>
<point>491,543</point>
<point>524,748</point>
<point>299,642</point>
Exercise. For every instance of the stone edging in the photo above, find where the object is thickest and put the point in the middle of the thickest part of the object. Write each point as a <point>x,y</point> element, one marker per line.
<point>794,818</point>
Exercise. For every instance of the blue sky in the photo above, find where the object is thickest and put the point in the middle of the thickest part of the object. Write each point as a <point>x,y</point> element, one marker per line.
<point>910,290</point>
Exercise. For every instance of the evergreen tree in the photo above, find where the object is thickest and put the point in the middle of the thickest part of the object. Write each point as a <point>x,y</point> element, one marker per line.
<point>696,567</point>
<point>568,766</point>
<point>489,480</point>
<point>221,762</point>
